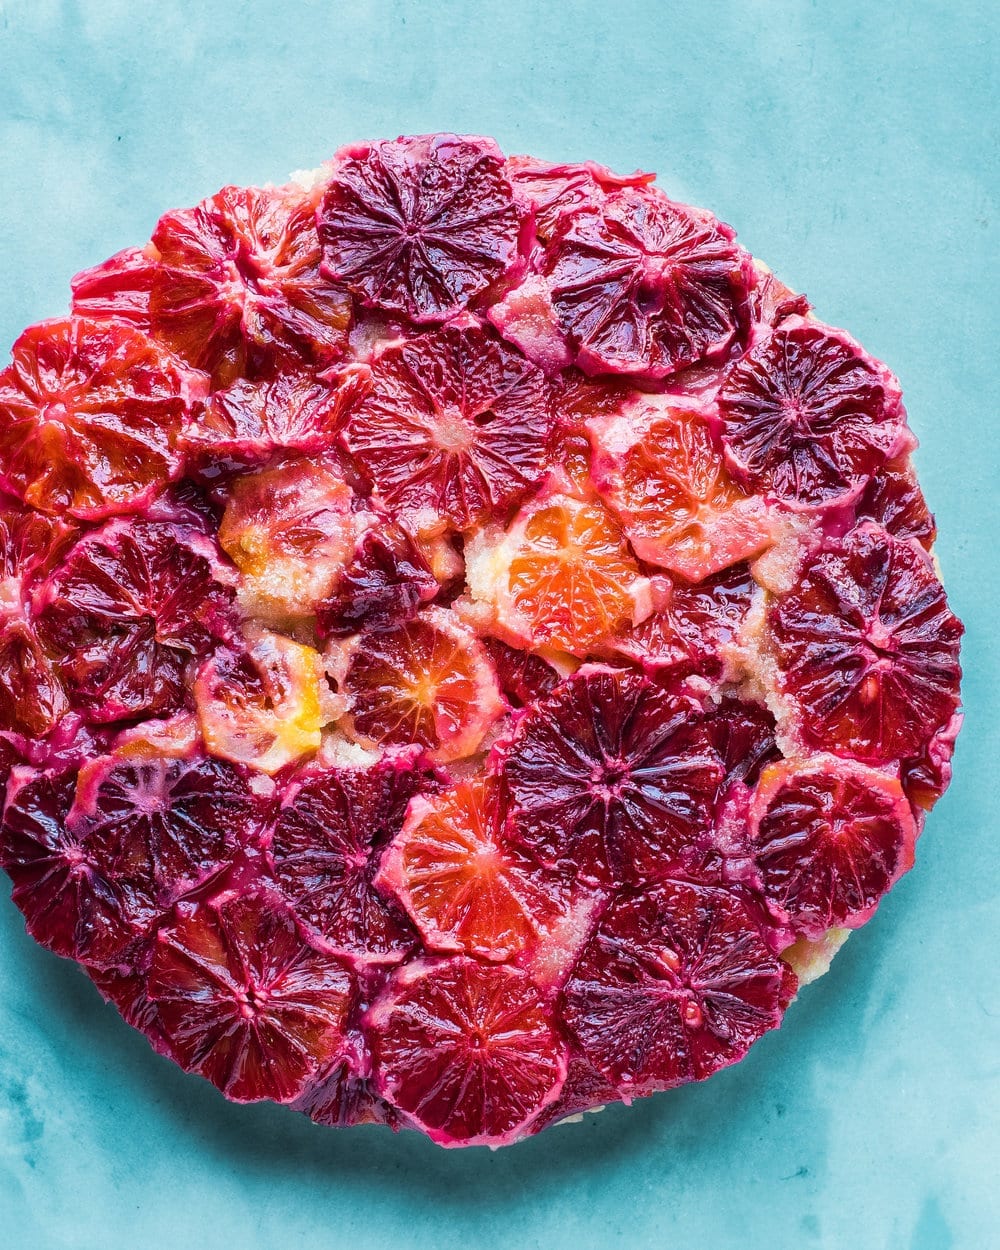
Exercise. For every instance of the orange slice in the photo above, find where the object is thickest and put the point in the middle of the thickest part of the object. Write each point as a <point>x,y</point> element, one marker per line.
<point>462,886</point>
<point>658,469</point>
<point>562,576</point>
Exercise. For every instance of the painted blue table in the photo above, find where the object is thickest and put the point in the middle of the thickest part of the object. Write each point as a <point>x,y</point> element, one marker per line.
<point>854,147</point>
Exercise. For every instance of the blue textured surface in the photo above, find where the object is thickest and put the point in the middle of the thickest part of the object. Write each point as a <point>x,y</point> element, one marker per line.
<point>853,145</point>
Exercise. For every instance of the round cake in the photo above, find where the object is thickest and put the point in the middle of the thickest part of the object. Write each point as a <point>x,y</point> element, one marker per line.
<point>469,641</point>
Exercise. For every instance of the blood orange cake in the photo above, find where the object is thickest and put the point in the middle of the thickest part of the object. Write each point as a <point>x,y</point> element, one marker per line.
<point>469,640</point>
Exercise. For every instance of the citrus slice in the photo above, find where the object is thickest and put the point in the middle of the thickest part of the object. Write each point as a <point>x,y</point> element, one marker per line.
<point>262,706</point>
<point>611,776</point>
<point>868,648</point>
<point>677,982</point>
<point>243,1001</point>
<point>89,416</point>
<point>455,429</point>
<point>94,865</point>
<point>427,682</point>
<point>290,531</point>
<point>894,500</point>
<point>743,735</point>
<point>927,775</point>
<point>343,1098</point>
<point>523,677</point>
<point>386,582</point>
<point>642,285</point>
<point>126,614</point>
<point>228,283</point>
<point>561,576</point>
<point>465,887</point>
<point>829,838</point>
<point>658,469</point>
<point>327,846</point>
<point>552,190</point>
<point>693,629</point>
<point>249,421</point>
<point>465,1050</point>
<point>808,417</point>
<point>420,225</point>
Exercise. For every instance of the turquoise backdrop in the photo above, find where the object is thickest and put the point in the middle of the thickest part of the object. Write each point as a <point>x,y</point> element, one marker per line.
<point>854,146</point>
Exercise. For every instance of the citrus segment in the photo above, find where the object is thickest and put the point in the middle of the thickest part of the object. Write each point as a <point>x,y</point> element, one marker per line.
<point>89,416</point>
<point>612,776</point>
<point>808,417</point>
<point>327,846</point>
<point>262,706</point>
<point>868,648</point>
<point>660,472</point>
<point>562,576</point>
<point>455,430</point>
<point>466,1050</point>
<point>419,225</point>
<point>426,682</point>
<point>463,884</point>
<point>829,838</point>
<point>676,982</point>
<point>645,286</point>
<point>342,1098</point>
<point>245,1002</point>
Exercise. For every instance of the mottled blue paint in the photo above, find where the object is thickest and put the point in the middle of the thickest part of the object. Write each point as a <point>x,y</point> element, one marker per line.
<point>854,146</point>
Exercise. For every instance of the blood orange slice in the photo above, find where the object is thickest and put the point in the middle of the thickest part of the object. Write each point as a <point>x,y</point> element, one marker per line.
<point>343,1098</point>
<point>645,286</point>
<point>562,576</point>
<point>868,648</point>
<point>427,682</point>
<point>420,225</point>
<point>611,776</point>
<point>226,282</point>
<point>326,849</point>
<point>89,416</point>
<point>523,677</point>
<point>250,421</point>
<point>693,629</point>
<point>829,838</point>
<point>262,706</point>
<point>808,417</point>
<point>31,696</point>
<point>386,582</point>
<point>676,982</point>
<point>129,610</point>
<point>455,430</point>
<point>554,190</point>
<point>463,884</point>
<point>894,500</point>
<point>94,865</point>
<point>290,531</point>
<point>660,472</point>
<point>466,1050</point>
<point>243,1000</point>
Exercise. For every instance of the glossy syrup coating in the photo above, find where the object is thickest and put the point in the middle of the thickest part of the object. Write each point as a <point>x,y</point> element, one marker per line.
<point>463,621</point>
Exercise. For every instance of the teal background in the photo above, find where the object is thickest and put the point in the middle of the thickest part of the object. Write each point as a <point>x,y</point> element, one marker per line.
<point>854,146</point>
